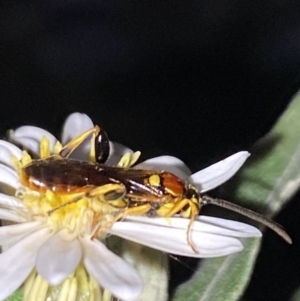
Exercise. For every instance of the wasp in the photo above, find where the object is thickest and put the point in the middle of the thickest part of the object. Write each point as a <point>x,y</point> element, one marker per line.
<point>136,191</point>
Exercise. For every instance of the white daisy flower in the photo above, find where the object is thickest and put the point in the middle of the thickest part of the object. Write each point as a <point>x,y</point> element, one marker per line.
<point>62,247</point>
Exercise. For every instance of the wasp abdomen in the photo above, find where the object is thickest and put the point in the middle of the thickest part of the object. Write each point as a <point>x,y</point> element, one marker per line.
<point>63,176</point>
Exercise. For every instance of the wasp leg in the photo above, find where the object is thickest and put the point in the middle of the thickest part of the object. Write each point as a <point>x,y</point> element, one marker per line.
<point>110,192</point>
<point>139,210</point>
<point>100,192</point>
<point>108,225</point>
<point>67,150</point>
<point>191,212</point>
<point>120,203</point>
<point>76,199</point>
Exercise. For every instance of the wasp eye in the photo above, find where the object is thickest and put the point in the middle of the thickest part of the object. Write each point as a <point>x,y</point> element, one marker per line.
<point>101,147</point>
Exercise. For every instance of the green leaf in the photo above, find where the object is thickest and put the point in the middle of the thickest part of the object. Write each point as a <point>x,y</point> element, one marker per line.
<point>268,180</point>
<point>216,278</point>
<point>272,175</point>
<point>16,296</point>
<point>296,296</point>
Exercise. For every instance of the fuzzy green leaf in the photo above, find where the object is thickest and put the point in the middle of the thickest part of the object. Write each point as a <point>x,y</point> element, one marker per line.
<point>296,296</point>
<point>16,296</point>
<point>269,179</point>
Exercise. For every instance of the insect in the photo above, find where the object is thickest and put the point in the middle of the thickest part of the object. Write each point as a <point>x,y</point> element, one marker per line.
<point>136,191</point>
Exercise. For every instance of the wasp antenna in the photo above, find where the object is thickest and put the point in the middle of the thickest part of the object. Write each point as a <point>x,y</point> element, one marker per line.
<point>175,258</point>
<point>206,200</point>
<point>67,150</point>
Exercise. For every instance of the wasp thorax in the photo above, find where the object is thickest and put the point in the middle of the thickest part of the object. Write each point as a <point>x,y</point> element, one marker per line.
<point>155,180</point>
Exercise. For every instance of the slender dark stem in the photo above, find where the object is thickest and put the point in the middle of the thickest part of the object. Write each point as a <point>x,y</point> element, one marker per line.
<point>206,200</point>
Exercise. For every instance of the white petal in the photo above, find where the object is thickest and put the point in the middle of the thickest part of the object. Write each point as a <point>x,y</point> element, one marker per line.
<point>10,202</point>
<point>239,229</point>
<point>7,150</point>
<point>17,262</point>
<point>78,123</point>
<point>117,151</point>
<point>206,224</point>
<point>11,215</point>
<point>58,258</point>
<point>5,157</point>
<point>13,233</point>
<point>8,169</point>
<point>9,177</point>
<point>75,124</point>
<point>29,144</point>
<point>12,209</point>
<point>218,173</point>
<point>14,150</point>
<point>30,136</point>
<point>166,163</point>
<point>172,240</point>
<point>112,272</point>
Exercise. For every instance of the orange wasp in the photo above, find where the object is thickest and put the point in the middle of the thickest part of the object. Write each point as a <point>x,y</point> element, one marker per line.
<point>140,192</point>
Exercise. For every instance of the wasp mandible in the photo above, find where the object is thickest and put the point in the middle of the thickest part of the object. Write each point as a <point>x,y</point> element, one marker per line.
<point>135,191</point>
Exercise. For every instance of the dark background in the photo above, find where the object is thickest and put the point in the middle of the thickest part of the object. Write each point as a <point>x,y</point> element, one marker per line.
<point>196,79</point>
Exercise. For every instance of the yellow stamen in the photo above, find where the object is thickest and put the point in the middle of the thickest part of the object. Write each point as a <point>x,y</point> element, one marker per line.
<point>107,296</point>
<point>66,288</point>
<point>128,159</point>
<point>38,290</point>
<point>83,285</point>
<point>125,160</point>
<point>57,147</point>
<point>17,164</point>
<point>95,290</point>
<point>29,285</point>
<point>79,286</point>
<point>26,158</point>
<point>44,148</point>
<point>134,157</point>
